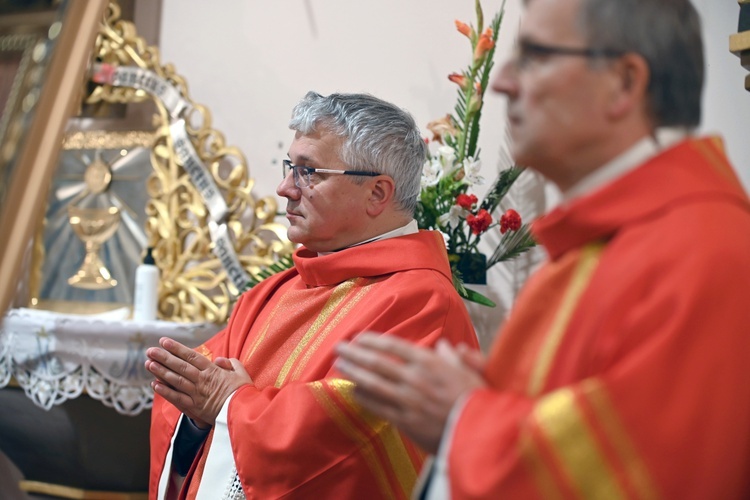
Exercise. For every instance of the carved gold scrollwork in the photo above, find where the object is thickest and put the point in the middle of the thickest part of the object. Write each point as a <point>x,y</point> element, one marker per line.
<point>195,285</point>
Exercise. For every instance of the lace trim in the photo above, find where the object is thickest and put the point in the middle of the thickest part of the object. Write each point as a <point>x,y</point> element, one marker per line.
<point>234,488</point>
<point>56,357</point>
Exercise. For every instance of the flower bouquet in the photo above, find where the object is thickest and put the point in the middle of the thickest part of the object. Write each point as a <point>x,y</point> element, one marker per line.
<point>446,202</point>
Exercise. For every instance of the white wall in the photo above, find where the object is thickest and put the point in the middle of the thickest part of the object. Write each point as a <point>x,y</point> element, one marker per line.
<point>250,61</point>
<point>726,103</point>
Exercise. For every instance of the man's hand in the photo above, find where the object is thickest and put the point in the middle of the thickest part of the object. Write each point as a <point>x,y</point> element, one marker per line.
<point>195,385</point>
<point>413,387</point>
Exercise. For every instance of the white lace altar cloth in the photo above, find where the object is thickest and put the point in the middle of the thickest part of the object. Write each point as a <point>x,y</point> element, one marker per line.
<point>55,357</point>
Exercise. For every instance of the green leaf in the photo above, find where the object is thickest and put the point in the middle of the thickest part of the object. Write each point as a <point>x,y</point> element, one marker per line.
<point>284,263</point>
<point>500,187</point>
<point>477,297</point>
<point>468,293</point>
<point>512,244</point>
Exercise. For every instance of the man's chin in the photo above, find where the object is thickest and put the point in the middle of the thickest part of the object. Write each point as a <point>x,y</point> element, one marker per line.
<point>296,235</point>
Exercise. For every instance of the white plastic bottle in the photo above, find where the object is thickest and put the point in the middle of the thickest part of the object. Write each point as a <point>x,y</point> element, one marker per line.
<point>146,289</point>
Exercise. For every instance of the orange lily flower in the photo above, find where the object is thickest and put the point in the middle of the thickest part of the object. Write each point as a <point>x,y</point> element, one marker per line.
<point>464,28</point>
<point>442,127</point>
<point>458,79</point>
<point>484,44</point>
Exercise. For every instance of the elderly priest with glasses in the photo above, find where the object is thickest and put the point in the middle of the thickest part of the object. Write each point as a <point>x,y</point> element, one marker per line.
<point>258,411</point>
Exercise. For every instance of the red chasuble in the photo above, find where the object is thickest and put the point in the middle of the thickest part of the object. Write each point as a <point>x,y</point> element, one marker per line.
<point>624,369</point>
<point>296,433</point>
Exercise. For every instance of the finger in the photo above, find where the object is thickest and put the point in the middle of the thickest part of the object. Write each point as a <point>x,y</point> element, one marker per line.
<point>169,377</point>
<point>173,363</point>
<point>184,353</point>
<point>180,400</point>
<point>383,409</point>
<point>157,378</point>
<point>373,361</point>
<point>224,363</point>
<point>471,357</point>
<point>389,344</point>
<point>383,388</point>
<point>237,367</point>
<point>446,352</point>
<point>182,360</point>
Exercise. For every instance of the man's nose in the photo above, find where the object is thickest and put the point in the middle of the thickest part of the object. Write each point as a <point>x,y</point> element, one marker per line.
<point>505,80</point>
<point>287,188</point>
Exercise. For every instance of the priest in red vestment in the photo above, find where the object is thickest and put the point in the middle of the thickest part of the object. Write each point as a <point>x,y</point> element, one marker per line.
<point>623,368</point>
<point>258,411</point>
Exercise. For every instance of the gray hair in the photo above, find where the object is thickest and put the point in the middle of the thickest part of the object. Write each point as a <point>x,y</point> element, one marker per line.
<point>667,34</point>
<point>378,136</point>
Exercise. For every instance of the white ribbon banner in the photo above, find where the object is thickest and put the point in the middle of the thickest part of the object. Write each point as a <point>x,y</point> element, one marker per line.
<point>202,179</point>
<point>142,79</point>
<point>224,251</point>
<point>171,98</point>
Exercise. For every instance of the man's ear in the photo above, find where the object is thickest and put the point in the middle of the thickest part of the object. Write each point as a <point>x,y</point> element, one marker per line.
<point>382,191</point>
<point>630,85</point>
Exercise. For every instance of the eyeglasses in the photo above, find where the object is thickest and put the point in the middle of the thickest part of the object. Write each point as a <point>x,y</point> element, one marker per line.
<point>303,175</point>
<point>528,53</point>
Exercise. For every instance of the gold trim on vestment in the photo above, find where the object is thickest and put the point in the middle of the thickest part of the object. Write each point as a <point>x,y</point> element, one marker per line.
<point>338,295</point>
<point>607,417</point>
<point>578,283</point>
<point>361,292</point>
<point>715,157</point>
<point>390,437</point>
<point>543,478</point>
<point>579,455</point>
<point>363,441</point>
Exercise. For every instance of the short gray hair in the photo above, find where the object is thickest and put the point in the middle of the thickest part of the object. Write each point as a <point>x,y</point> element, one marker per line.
<point>667,34</point>
<point>378,136</point>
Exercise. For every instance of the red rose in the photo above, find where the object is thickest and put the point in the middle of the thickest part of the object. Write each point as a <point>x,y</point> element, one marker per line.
<point>510,221</point>
<point>479,222</point>
<point>466,200</point>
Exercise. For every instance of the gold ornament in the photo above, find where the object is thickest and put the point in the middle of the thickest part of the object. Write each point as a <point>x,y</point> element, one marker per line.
<point>194,284</point>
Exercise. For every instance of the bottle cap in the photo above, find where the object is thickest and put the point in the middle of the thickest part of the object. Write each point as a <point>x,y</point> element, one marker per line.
<point>149,258</point>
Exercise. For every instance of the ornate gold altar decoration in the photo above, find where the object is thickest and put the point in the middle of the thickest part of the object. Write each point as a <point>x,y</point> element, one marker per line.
<point>210,235</point>
<point>94,226</point>
<point>739,43</point>
<point>97,170</point>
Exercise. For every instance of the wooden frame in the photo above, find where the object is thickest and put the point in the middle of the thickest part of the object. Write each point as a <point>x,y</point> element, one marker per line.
<point>49,93</point>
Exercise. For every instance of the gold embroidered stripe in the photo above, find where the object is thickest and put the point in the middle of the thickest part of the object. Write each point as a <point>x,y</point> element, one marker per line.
<point>204,351</point>
<point>337,296</point>
<point>635,470</point>
<point>543,477</point>
<point>391,440</point>
<point>264,331</point>
<point>711,151</point>
<point>364,442</point>
<point>561,424</point>
<point>361,292</point>
<point>581,276</point>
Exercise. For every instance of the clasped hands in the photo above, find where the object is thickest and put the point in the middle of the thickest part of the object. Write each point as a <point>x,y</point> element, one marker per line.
<point>413,387</point>
<point>195,385</point>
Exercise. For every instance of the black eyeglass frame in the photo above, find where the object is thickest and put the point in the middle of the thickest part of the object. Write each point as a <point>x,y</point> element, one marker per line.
<point>527,51</point>
<point>287,165</point>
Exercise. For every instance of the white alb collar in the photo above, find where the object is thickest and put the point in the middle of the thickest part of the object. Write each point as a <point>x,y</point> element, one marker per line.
<point>636,155</point>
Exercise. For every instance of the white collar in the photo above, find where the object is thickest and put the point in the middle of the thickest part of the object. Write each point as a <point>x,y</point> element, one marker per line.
<point>636,155</point>
<point>409,228</point>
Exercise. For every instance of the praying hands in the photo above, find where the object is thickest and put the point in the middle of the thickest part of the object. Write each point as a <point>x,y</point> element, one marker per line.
<point>195,385</point>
